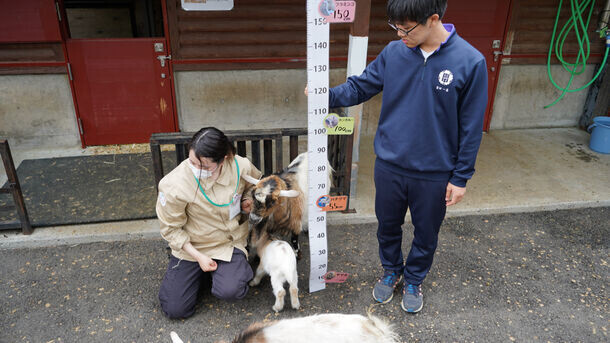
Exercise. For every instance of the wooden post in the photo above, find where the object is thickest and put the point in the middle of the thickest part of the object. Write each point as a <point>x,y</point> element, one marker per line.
<point>15,188</point>
<point>356,62</point>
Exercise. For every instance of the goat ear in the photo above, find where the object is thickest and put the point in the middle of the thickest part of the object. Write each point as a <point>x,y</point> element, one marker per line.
<point>250,179</point>
<point>289,194</point>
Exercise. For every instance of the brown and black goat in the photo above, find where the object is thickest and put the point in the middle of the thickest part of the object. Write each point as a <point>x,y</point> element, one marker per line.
<point>279,203</point>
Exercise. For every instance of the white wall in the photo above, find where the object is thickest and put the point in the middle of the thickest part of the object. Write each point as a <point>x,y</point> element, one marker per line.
<point>243,99</point>
<point>524,90</point>
<point>36,111</point>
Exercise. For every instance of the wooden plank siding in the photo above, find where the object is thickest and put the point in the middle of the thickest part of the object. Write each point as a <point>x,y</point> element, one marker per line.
<point>30,39</point>
<point>32,58</point>
<point>259,34</point>
<point>531,29</point>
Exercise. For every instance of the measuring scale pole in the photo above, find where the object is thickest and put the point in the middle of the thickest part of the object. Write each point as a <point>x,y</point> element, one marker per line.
<point>317,109</point>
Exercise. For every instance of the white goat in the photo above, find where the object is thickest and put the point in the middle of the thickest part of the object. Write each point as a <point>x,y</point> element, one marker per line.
<point>279,261</point>
<point>323,328</point>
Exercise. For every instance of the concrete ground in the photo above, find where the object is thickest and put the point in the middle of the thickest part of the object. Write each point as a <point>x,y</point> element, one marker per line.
<point>517,171</point>
<point>538,276</point>
<point>526,277</point>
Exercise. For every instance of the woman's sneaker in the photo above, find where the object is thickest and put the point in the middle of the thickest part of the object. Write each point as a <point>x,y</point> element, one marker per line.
<point>412,298</point>
<point>384,288</point>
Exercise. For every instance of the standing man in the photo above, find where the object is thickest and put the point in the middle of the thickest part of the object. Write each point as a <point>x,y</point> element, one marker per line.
<point>434,97</point>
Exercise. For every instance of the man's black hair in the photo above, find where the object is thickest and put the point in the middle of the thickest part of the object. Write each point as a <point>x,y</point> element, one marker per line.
<point>418,11</point>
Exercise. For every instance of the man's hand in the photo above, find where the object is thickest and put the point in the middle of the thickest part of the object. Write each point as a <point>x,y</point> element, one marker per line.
<point>454,194</point>
<point>206,263</point>
<point>246,206</point>
<point>306,91</point>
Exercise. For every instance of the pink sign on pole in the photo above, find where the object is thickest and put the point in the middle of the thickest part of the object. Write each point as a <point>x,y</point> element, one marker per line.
<point>338,11</point>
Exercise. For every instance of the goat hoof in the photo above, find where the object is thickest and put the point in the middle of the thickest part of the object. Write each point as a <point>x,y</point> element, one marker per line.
<point>253,284</point>
<point>276,309</point>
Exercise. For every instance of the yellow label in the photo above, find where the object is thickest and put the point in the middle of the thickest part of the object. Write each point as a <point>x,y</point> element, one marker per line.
<point>336,125</point>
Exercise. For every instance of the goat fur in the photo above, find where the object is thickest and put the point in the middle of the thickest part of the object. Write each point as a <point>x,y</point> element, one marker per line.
<point>322,328</point>
<point>278,260</point>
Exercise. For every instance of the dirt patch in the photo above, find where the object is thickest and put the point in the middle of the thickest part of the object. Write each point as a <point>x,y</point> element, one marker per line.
<point>581,152</point>
<point>125,149</point>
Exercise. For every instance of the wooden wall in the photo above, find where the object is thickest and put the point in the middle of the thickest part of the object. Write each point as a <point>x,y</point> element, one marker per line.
<point>270,34</point>
<point>531,28</point>
<point>264,34</point>
<point>30,39</point>
<point>258,34</point>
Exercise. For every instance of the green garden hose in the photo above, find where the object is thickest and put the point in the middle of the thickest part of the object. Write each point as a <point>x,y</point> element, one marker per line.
<point>577,24</point>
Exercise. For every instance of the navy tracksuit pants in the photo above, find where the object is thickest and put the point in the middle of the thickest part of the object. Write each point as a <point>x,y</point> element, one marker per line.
<point>395,193</point>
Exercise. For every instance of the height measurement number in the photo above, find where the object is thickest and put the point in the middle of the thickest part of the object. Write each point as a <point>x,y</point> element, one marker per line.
<point>320,21</point>
<point>320,90</point>
<point>320,111</point>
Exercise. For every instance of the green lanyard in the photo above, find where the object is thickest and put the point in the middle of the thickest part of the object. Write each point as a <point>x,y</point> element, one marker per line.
<point>232,197</point>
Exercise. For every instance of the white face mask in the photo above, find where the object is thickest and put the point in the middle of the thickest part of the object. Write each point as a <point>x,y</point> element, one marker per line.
<point>201,173</point>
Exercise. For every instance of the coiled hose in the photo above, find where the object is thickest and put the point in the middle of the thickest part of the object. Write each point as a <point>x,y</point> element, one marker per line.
<point>577,24</point>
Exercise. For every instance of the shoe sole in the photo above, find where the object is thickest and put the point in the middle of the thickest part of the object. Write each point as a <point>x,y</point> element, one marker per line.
<point>402,304</point>
<point>391,295</point>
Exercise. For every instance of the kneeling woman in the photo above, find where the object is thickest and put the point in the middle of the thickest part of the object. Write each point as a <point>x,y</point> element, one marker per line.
<point>198,207</point>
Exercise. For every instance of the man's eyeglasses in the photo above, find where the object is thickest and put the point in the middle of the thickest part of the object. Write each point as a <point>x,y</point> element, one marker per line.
<point>403,31</point>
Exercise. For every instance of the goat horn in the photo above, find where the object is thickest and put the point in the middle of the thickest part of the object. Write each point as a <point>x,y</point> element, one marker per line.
<point>250,179</point>
<point>289,194</point>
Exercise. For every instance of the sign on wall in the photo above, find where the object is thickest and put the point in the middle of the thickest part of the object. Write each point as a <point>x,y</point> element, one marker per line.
<point>207,5</point>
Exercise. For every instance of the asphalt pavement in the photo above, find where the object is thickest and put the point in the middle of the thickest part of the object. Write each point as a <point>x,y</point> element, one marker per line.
<point>530,277</point>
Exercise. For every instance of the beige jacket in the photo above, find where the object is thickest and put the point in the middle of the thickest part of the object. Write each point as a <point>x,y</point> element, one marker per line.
<point>185,215</point>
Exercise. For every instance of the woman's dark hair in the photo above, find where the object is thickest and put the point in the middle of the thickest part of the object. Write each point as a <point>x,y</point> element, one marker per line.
<point>418,11</point>
<point>211,143</point>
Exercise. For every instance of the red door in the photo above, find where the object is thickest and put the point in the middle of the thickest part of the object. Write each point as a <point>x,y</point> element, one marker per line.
<point>122,91</point>
<point>121,83</point>
<point>122,88</point>
<point>482,23</point>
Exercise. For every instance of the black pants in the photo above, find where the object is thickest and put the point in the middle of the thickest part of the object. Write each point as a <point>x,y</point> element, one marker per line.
<point>179,288</point>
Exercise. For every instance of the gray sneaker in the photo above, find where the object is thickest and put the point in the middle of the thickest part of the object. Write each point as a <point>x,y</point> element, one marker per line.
<point>384,288</point>
<point>412,298</point>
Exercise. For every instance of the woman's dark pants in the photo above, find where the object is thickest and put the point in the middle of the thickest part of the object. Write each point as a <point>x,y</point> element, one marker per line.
<point>183,279</point>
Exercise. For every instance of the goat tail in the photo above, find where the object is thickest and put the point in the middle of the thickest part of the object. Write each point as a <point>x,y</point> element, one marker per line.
<point>383,328</point>
<point>175,338</point>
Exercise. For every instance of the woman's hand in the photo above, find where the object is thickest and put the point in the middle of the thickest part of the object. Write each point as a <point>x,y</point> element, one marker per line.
<point>206,263</point>
<point>246,206</point>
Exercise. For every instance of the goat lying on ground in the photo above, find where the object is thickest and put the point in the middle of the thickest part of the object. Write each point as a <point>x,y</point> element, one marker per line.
<point>280,202</point>
<point>279,261</point>
<point>331,328</point>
